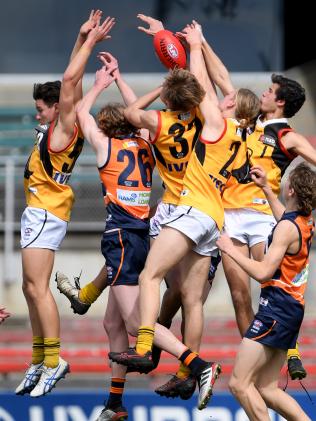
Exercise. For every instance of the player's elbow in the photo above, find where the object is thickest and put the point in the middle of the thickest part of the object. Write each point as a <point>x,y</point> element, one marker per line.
<point>263,276</point>
<point>69,78</point>
<point>128,112</point>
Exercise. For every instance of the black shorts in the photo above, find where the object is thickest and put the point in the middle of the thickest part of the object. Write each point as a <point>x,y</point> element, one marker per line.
<point>125,252</point>
<point>215,261</point>
<point>270,332</point>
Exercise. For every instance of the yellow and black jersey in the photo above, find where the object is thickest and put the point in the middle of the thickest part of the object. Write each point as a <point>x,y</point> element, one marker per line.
<point>209,169</point>
<point>173,144</point>
<point>264,148</point>
<point>47,173</point>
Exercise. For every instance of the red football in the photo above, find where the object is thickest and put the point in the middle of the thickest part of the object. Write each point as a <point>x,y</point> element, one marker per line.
<point>169,50</point>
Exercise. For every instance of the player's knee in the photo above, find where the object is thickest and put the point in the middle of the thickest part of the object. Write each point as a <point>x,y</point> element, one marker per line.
<point>191,297</point>
<point>31,290</point>
<point>235,386</point>
<point>111,325</point>
<point>148,276</point>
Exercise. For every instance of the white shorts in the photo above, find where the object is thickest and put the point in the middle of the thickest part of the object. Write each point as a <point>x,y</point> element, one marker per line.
<point>164,210</point>
<point>197,226</point>
<point>248,226</point>
<point>41,229</point>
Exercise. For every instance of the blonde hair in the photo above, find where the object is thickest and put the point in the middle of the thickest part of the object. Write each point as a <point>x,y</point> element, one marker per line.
<point>247,107</point>
<point>181,90</point>
<point>112,123</point>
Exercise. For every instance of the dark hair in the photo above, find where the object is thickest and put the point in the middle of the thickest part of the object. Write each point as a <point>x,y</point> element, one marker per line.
<point>112,122</point>
<point>48,92</point>
<point>181,90</point>
<point>291,92</point>
<point>303,181</point>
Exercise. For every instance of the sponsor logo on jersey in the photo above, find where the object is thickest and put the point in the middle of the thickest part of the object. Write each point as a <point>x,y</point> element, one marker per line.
<point>61,178</point>
<point>130,144</point>
<point>268,140</point>
<point>217,183</point>
<point>259,201</point>
<point>301,278</point>
<point>133,198</point>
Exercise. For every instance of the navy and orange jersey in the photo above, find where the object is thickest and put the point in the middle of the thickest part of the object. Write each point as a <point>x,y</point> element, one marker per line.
<point>173,144</point>
<point>209,169</point>
<point>126,179</point>
<point>282,297</point>
<point>47,173</point>
<point>264,148</point>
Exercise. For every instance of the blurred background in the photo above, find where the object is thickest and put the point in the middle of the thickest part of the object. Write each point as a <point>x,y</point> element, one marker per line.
<point>253,38</point>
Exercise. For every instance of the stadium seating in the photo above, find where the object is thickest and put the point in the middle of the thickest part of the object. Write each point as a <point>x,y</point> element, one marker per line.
<point>85,346</point>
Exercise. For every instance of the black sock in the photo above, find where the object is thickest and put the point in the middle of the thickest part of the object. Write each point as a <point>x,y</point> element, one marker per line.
<point>193,361</point>
<point>116,392</point>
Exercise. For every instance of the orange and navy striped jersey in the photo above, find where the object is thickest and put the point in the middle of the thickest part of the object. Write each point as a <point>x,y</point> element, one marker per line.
<point>208,171</point>
<point>264,148</point>
<point>283,296</point>
<point>126,179</point>
<point>47,173</point>
<point>173,144</point>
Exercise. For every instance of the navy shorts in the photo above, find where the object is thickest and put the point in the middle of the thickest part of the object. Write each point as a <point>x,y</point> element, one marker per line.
<point>267,331</point>
<point>125,252</point>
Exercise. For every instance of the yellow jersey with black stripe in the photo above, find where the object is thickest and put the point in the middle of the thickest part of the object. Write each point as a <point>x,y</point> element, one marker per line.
<point>264,148</point>
<point>173,144</point>
<point>209,169</point>
<point>47,173</point>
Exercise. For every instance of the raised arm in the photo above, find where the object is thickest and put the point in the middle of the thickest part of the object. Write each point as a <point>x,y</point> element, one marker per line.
<point>216,69</point>
<point>258,176</point>
<point>144,119</point>
<point>64,130</point>
<point>214,122</point>
<point>126,91</point>
<point>300,145</point>
<point>94,18</point>
<point>88,125</point>
<point>285,234</point>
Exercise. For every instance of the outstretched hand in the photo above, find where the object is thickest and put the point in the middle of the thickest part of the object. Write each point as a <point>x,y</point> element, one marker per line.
<point>94,19</point>
<point>259,176</point>
<point>109,62</point>
<point>155,25</point>
<point>100,32</point>
<point>190,34</point>
<point>103,78</point>
<point>3,314</point>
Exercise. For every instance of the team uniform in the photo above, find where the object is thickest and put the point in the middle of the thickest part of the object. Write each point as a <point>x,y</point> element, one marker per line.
<point>281,306</point>
<point>248,217</point>
<point>49,197</point>
<point>173,144</point>
<point>126,179</point>
<point>200,213</point>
